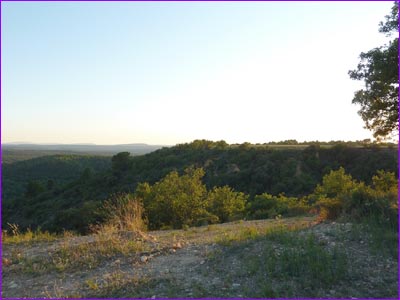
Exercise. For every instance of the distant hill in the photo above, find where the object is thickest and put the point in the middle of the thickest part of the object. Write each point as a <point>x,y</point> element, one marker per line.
<point>61,169</point>
<point>12,152</point>
<point>252,169</point>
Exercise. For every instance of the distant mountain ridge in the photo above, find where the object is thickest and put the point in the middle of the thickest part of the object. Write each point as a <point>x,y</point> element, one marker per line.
<point>134,148</point>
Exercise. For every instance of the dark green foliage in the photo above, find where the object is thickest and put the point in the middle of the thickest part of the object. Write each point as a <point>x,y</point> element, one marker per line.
<point>50,184</point>
<point>268,206</point>
<point>86,175</point>
<point>60,169</point>
<point>253,171</point>
<point>379,69</point>
<point>33,189</point>
<point>226,204</point>
<point>78,218</point>
<point>339,195</point>
<point>175,200</point>
<point>121,162</point>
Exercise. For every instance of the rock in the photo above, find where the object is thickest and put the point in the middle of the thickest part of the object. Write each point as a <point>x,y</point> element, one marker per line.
<point>177,245</point>
<point>172,250</point>
<point>6,262</point>
<point>235,284</point>
<point>202,262</point>
<point>117,262</point>
<point>144,258</point>
<point>13,285</point>
<point>153,297</point>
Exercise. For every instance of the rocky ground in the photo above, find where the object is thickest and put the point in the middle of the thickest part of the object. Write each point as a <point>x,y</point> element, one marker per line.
<point>225,260</point>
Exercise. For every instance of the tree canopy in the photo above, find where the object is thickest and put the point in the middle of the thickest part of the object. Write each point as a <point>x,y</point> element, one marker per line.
<point>379,70</point>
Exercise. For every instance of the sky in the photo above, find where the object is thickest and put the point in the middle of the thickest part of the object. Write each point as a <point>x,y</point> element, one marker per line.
<point>172,72</point>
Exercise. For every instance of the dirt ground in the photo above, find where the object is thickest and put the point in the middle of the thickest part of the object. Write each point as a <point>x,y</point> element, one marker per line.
<point>181,263</point>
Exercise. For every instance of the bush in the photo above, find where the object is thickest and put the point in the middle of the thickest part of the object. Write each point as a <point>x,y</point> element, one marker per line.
<point>334,185</point>
<point>124,212</point>
<point>268,206</point>
<point>175,200</point>
<point>226,204</point>
<point>339,195</point>
<point>367,202</point>
<point>329,209</point>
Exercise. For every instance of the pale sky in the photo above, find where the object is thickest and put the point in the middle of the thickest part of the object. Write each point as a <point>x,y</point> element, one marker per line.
<point>172,72</point>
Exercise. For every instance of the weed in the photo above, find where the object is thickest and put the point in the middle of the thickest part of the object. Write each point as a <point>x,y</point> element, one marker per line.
<point>16,237</point>
<point>92,284</point>
<point>211,227</point>
<point>280,262</point>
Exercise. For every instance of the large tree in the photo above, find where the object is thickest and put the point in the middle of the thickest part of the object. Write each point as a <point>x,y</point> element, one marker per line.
<point>379,70</point>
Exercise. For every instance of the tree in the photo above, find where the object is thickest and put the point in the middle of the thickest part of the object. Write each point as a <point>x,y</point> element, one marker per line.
<point>86,175</point>
<point>335,184</point>
<point>225,203</point>
<point>121,162</point>
<point>50,184</point>
<point>175,200</point>
<point>384,181</point>
<point>33,189</point>
<point>379,70</point>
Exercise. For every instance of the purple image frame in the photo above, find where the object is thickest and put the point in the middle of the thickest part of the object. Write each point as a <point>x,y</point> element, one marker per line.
<point>1,151</point>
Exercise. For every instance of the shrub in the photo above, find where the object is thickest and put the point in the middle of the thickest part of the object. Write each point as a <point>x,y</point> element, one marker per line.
<point>124,212</point>
<point>329,209</point>
<point>269,206</point>
<point>367,202</point>
<point>340,195</point>
<point>175,200</point>
<point>330,195</point>
<point>226,204</point>
<point>334,185</point>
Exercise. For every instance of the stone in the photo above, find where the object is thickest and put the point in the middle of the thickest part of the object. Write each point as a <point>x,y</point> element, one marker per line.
<point>177,245</point>
<point>235,285</point>
<point>144,258</point>
<point>6,262</point>
<point>115,263</point>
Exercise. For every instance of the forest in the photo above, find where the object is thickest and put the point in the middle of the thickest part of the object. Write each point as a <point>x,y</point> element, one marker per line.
<point>285,219</point>
<point>261,181</point>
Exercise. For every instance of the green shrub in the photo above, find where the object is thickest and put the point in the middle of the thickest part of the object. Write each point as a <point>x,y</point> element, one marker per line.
<point>269,206</point>
<point>226,204</point>
<point>175,200</point>
<point>339,195</point>
<point>329,209</point>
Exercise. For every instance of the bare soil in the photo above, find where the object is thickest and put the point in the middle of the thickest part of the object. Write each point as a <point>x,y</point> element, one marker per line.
<point>196,262</point>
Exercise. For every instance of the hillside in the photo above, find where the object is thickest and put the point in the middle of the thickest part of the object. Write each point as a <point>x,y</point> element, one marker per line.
<point>295,257</point>
<point>17,151</point>
<point>246,168</point>
<point>9,156</point>
<point>60,169</point>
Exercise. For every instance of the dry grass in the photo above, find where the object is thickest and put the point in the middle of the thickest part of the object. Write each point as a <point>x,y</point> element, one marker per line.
<point>14,236</point>
<point>124,212</point>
